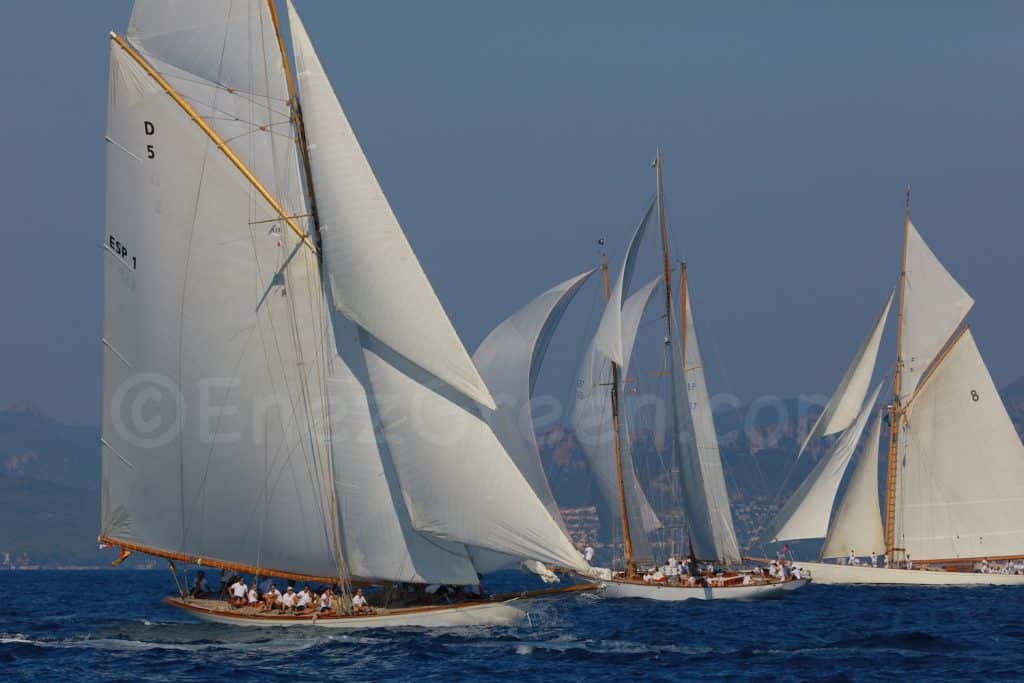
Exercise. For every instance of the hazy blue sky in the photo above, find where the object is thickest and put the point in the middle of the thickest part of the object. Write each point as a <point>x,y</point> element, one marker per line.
<point>510,136</point>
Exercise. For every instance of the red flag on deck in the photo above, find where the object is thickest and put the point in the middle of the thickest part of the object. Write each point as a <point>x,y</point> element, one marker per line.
<point>122,558</point>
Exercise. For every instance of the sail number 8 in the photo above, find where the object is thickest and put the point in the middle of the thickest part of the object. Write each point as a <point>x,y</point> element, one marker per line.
<point>974,396</point>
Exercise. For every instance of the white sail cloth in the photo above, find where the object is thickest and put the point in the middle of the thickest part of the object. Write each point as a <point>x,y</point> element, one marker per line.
<point>212,423</point>
<point>508,360</point>
<point>592,423</point>
<point>857,523</point>
<point>380,542</point>
<point>934,305</point>
<point>962,466</point>
<point>611,330</point>
<point>806,513</point>
<point>705,500</point>
<point>376,278</point>
<point>841,410</point>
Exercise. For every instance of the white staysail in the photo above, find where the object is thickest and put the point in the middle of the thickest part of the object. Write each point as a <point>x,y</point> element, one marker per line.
<point>213,421</point>
<point>842,408</point>
<point>375,277</point>
<point>508,359</point>
<point>934,305</point>
<point>806,513</point>
<point>592,424</point>
<point>705,499</point>
<point>857,523</point>
<point>458,482</point>
<point>961,471</point>
<point>611,331</point>
<point>380,541</point>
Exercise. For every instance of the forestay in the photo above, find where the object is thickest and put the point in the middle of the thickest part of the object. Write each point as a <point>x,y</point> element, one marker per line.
<point>857,523</point>
<point>209,306</point>
<point>961,471</point>
<point>841,410</point>
<point>806,513</point>
<point>375,277</point>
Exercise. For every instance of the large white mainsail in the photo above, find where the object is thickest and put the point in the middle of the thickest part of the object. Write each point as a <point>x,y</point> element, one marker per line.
<point>457,482</point>
<point>207,308</point>
<point>841,410</point>
<point>591,420</point>
<point>376,279</point>
<point>857,523</point>
<point>509,359</point>
<point>962,467</point>
<point>807,512</point>
<point>934,305</point>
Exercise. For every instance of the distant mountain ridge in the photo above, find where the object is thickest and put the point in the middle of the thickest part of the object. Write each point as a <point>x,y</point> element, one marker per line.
<point>50,476</point>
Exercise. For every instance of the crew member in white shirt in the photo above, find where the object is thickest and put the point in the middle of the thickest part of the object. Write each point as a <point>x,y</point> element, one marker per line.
<point>359,604</point>
<point>588,554</point>
<point>852,561</point>
<point>874,559</point>
<point>304,600</point>
<point>272,598</point>
<point>327,600</point>
<point>254,596</point>
<point>238,591</point>
<point>289,599</point>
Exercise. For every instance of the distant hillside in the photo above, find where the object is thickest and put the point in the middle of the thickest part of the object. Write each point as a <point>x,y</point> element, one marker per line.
<point>50,477</point>
<point>49,490</point>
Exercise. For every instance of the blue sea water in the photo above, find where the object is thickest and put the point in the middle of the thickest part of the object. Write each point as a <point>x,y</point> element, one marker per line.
<point>111,625</point>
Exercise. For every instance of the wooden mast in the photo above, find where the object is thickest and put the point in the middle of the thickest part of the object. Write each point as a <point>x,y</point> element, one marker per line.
<point>896,410</point>
<point>683,303</point>
<point>663,219</point>
<point>627,539</point>
<point>293,101</point>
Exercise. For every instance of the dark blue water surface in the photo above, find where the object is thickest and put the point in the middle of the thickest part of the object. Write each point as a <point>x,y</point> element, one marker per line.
<point>111,625</point>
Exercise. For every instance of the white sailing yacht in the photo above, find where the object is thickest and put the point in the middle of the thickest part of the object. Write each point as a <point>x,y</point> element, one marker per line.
<point>284,395</point>
<point>956,465</point>
<point>602,428</point>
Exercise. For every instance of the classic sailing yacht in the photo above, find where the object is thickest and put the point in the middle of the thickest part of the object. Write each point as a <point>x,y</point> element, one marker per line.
<point>284,395</point>
<point>703,498</point>
<point>956,465</point>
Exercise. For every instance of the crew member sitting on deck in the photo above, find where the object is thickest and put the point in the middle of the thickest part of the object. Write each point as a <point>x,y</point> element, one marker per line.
<point>853,561</point>
<point>253,596</point>
<point>304,600</point>
<point>237,593</point>
<point>202,587</point>
<point>327,600</point>
<point>359,604</point>
<point>272,598</point>
<point>288,600</point>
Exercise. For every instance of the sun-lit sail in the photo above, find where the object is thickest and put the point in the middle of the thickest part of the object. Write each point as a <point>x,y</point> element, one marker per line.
<point>857,523</point>
<point>807,512</point>
<point>841,410</point>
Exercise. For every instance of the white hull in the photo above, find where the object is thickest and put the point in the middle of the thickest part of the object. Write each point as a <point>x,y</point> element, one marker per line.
<point>832,574</point>
<point>506,613</point>
<point>668,593</point>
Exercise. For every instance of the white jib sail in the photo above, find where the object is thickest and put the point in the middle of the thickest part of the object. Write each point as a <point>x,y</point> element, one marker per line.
<point>961,479</point>
<point>380,541</point>
<point>934,306</point>
<point>376,278</point>
<point>806,513</point>
<point>842,408</point>
<point>592,424</point>
<point>508,359</point>
<point>857,523</point>
<point>211,443</point>
<point>705,441</point>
